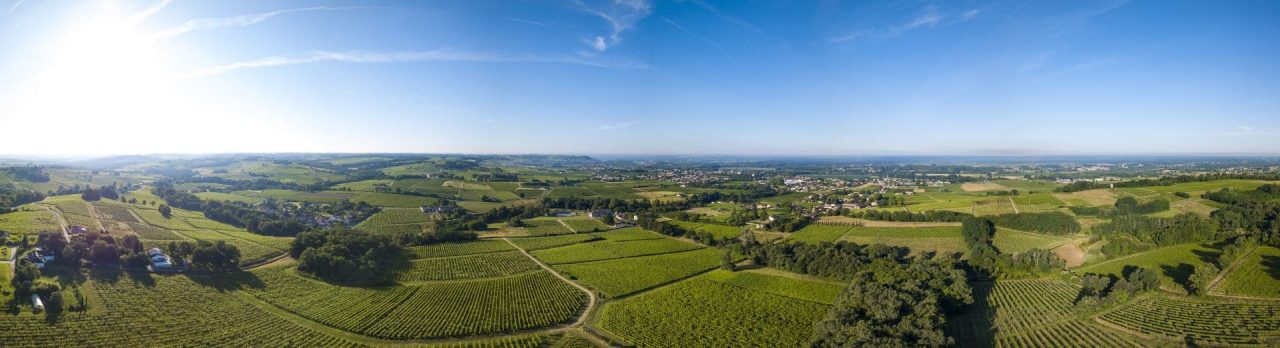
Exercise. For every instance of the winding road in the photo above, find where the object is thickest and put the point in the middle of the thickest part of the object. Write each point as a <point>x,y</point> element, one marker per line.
<point>591,303</point>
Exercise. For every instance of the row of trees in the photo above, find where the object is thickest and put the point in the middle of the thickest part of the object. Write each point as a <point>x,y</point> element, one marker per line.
<point>984,257</point>
<point>11,196</point>
<point>906,216</point>
<point>1055,222</point>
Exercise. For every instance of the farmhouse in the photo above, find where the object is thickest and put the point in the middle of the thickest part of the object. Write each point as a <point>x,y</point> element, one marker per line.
<point>438,209</point>
<point>36,257</point>
<point>599,213</point>
<point>79,230</point>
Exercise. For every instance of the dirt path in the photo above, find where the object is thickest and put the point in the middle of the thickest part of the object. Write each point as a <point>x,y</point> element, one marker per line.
<point>61,222</point>
<point>93,213</point>
<point>565,226</point>
<point>1213,285</point>
<point>591,303</point>
<point>1015,205</point>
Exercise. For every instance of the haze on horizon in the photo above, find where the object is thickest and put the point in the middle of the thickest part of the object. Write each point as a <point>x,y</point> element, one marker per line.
<point>641,77</point>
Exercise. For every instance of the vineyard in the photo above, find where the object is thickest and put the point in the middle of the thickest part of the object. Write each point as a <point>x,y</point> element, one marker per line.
<point>585,225</point>
<point>162,311</point>
<point>1188,320</point>
<point>431,310</point>
<point>823,292</point>
<point>29,222</point>
<point>725,316</point>
<point>605,250</point>
<point>1256,275</point>
<point>629,234</point>
<point>396,216</point>
<point>621,277</point>
<point>816,233</point>
<point>1029,313</point>
<point>545,227</point>
<point>459,248</point>
<point>536,243</point>
<point>467,267</point>
<point>717,230</point>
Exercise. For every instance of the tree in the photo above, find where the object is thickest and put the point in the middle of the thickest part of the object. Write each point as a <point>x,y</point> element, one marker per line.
<point>344,256</point>
<point>727,261</point>
<point>91,195</point>
<point>103,253</point>
<point>1143,279</point>
<point>53,306</point>
<point>165,211</point>
<point>1201,278</point>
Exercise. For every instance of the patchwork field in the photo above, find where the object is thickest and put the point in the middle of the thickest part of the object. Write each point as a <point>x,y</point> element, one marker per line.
<point>1030,313</point>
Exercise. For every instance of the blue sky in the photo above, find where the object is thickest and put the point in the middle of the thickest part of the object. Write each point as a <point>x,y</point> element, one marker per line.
<point>641,77</point>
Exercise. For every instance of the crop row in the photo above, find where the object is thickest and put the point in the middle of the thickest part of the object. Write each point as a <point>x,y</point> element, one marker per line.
<point>468,267</point>
<point>536,243</point>
<point>1214,323</point>
<point>604,250</point>
<point>620,277</point>
<point>459,248</point>
<point>162,311</point>
<point>704,313</point>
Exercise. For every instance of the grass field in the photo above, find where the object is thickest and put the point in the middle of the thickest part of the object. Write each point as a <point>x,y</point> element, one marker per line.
<point>393,200</point>
<point>298,196</point>
<point>1258,275</point>
<point>621,277</point>
<point>725,310</point>
<point>629,234</point>
<point>1174,263</point>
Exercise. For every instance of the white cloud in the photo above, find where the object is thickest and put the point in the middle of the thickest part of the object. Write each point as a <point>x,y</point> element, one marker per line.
<point>929,18</point>
<point>848,37</point>
<point>970,14</point>
<point>622,15</point>
<point>599,45</point>
<point>236,21</point>
<point>439,55</point>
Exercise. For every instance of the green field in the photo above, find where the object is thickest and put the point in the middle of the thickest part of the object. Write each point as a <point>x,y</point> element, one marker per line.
<point>32,221</point>
<point>467,267</point>
<point>1029,313</point>
<point>1016,242</point>
<point>429,310</point>
<point>1197,322</point>
<point>629,234</point>
<point>219,196</point>
<point>607,249</point>
<point>536,243</point>
<point>621,277</point>
<point>942,239</point>
<point>730,311</point>
<point>817,233</point>
<point>1174,263</point>
<point>717,230</point>
<point>1257,275</point>
<point>459,248</point>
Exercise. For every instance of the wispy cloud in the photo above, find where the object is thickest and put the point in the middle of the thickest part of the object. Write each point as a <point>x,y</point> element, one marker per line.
<point>148,12</point>
<point>691,33</point>
<point>439,55</point>
<point>928,18</point>
<point>617,126</point>
<point>236,21</point>
<point>533,22</point>
<point>15,6</point>
<point>622,15</point>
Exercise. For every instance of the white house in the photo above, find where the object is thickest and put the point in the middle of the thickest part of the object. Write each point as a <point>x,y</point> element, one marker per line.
<point>159,261</point>
<point>35,303</point>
